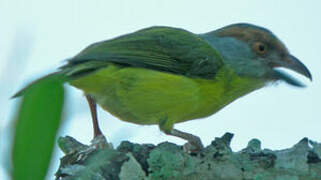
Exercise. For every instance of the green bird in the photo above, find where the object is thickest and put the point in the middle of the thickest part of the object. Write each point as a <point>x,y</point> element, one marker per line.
<point>165,75</point>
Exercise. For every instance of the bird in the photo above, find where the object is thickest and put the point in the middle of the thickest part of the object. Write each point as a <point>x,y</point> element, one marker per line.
<point>166,75</point>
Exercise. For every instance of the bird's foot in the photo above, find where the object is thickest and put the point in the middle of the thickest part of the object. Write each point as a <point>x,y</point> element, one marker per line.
<point>100,142</point>
<point>194,143</point>
<point>193,146</point>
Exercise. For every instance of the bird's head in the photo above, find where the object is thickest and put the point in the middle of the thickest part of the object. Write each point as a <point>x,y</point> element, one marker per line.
<point>256,52</point>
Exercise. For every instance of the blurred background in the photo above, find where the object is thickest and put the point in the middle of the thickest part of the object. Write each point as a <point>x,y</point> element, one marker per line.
<point>37,36</point>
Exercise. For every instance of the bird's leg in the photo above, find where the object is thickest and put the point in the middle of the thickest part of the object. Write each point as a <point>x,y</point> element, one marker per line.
<point>93,111</point>
<point>99,140</point>
<point>194,142</point>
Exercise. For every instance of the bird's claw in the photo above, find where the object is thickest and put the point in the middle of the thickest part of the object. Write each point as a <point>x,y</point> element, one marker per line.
<point>100,142</point>
<point>193,145</point>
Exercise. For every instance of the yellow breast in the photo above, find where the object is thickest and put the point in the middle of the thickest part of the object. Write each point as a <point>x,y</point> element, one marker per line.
<point>145,96</point>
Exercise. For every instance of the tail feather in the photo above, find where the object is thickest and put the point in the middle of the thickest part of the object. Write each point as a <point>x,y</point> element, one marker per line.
<point>67,72</point>
<point>56,75</point>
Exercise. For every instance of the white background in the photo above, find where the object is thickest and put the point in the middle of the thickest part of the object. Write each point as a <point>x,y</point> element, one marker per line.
<point>36,36</point>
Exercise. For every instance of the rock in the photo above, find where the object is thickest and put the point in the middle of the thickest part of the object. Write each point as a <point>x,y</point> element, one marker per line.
<point>169,161</point>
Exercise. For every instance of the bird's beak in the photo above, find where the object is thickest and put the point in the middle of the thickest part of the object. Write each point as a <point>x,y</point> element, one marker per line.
<point>294,64</point>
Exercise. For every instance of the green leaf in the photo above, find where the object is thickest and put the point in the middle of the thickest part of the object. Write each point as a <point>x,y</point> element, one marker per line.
<point>37,123</point>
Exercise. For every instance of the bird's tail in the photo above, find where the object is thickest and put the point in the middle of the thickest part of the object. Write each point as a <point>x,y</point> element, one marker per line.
<point>66,73</point>
<point>56,76</point>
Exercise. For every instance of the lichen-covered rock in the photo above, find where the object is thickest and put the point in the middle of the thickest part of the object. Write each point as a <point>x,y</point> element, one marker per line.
<point>132,169</point>
<point>169,161</point>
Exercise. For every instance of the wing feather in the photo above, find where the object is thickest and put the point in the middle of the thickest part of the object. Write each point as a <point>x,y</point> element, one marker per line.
<point>159,48</point>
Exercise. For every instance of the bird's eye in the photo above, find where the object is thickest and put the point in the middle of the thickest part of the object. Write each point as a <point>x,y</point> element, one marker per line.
<point>259,48</point>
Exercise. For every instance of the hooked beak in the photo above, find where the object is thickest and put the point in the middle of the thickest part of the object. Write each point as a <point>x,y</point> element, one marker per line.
<point>294,64</point>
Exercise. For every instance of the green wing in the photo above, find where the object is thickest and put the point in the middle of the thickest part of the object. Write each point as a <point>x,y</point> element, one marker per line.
<point>158,48</point>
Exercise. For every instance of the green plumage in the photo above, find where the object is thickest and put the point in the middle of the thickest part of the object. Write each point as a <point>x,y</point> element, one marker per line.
<point>159,74</point>
<point>159,48</point>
